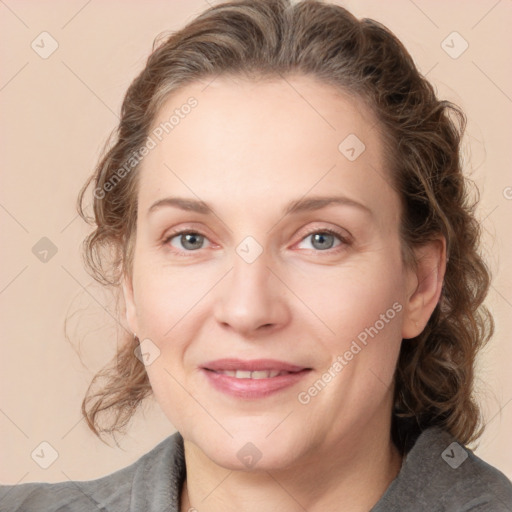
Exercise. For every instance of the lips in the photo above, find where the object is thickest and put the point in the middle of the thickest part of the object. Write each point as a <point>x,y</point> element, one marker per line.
<point>255,379</point>
<point>257,374</point>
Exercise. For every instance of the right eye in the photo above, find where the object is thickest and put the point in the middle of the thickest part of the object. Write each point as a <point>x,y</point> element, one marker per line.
<point>185,241</point>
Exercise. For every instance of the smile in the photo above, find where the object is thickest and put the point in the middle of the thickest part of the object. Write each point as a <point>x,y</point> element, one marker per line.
<point>258,374</point>
<point>255,379</point>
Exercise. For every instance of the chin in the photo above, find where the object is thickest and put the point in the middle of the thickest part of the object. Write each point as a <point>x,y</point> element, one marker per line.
<point>250,450</point>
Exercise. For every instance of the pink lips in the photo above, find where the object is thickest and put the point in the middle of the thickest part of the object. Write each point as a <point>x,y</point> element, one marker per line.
<point>249,388</point>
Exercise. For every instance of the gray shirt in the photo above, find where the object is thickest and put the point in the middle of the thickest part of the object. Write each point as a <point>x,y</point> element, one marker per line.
<point>438,475</point>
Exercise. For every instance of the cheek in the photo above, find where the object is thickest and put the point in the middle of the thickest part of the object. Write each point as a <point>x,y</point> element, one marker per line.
<point>363,316</point>
<point>343,302</point>
<point>164,298</point>
<point>357,317</point>
<point>167,304</point>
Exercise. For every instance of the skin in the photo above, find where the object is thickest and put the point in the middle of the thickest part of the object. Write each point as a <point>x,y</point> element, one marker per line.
<point>247,149</point>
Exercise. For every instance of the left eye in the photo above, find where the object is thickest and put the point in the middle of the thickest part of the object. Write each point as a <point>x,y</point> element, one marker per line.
<point>324,239</point>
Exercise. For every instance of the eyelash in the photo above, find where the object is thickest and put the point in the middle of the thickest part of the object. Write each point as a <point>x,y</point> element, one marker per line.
<point>327,231</point>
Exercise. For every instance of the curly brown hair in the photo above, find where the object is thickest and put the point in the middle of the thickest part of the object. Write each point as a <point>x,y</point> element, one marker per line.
<point>422,135</point>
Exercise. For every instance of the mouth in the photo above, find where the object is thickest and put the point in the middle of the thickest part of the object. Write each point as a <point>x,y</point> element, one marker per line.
<point>252,379</point>
<point>252,369</point>
<point>257,374</point>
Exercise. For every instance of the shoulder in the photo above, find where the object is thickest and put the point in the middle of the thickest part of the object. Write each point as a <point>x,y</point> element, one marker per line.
<point>441,475</point>
<point>118,491</point>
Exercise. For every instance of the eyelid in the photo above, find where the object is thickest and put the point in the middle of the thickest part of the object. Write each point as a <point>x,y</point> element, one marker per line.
<point>181,230</point>
<point>344,237</point>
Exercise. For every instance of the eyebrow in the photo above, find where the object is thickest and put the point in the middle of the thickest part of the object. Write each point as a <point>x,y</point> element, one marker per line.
<point>296,206</point>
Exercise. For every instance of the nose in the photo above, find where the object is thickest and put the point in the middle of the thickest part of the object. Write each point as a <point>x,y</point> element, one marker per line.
<point>251,299</point>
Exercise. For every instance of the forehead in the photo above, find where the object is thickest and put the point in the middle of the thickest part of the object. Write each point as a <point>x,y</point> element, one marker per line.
<point>263,138</point>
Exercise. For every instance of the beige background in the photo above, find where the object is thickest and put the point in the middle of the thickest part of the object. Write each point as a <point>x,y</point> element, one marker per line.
<point>57,113</point>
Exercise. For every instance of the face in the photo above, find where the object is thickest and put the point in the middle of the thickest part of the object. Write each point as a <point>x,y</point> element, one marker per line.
<point>248,274</point>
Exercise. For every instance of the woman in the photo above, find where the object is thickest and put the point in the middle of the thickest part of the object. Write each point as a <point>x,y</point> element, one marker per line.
<point>284,210</point>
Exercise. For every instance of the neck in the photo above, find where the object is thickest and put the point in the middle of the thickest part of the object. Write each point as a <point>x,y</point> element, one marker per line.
<point>353,479</point>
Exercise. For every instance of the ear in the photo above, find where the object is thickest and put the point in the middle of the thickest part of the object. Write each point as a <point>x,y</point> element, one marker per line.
<point>129,300</point>
<point>424,286</point>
